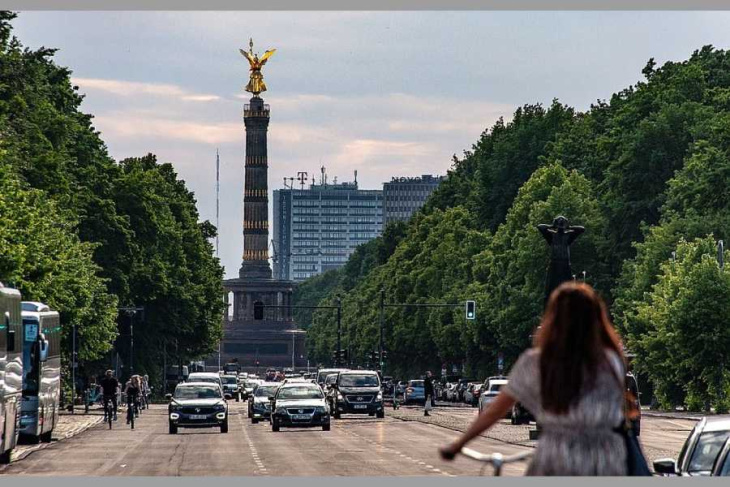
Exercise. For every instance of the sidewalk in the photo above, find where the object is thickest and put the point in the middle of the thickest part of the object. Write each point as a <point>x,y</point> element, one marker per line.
<point>69,425</point>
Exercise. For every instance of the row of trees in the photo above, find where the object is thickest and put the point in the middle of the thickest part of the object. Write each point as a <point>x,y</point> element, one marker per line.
<point>647,172</point>
<point>87,234</point>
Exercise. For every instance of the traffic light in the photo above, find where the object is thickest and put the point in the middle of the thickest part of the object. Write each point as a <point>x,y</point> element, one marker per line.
<point>471,310</point>
<point>343,355</point>
<point>384,356</point>
<point>258,310</point>
<point>373,356</point>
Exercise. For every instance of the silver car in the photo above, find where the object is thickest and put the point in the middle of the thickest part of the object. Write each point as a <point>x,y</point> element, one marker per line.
<point>415,392</point>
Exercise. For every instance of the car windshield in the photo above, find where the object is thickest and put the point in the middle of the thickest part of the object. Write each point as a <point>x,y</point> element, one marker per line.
<point>266,391</point>
<point>197,392</point>
<point>204,379</point>
<point>251,383</point>
<point>229,380</point>
<point>706,451</point>
<point>360,380</point>
<point>495,387</point>
<point>300,392</point>
<point>416,383</point>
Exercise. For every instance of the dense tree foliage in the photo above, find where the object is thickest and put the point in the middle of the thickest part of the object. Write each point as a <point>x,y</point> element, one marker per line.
<point>114,234</point>
<point>647,172</point>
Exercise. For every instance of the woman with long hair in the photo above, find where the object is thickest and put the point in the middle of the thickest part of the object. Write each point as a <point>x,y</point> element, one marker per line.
<point>572,381</point>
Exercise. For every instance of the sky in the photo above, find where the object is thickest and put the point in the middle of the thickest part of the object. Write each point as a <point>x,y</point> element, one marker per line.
<point>388,94</point>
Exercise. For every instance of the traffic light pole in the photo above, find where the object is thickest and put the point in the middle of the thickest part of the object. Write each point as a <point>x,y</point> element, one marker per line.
<point>384,305</point>
<point>339,330</point>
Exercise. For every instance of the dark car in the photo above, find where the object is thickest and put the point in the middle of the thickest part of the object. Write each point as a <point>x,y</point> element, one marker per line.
<point>299,404</point>
<point>197,405</point>
<point>259,405</point>
<point>700,451</point>
<point>357,392</point>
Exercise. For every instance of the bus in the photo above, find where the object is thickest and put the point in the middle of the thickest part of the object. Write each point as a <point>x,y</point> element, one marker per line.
<point>41,371</point>
<point>11,371</point>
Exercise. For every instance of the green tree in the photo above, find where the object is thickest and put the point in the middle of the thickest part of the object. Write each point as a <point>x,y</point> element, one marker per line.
<point>687,343</point>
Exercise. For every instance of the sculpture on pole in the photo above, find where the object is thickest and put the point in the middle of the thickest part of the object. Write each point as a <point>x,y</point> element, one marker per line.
<point>256,83</point>
<point>560,235</point>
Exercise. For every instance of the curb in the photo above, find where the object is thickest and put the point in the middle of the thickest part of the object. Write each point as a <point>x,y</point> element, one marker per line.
<point>654,414</point>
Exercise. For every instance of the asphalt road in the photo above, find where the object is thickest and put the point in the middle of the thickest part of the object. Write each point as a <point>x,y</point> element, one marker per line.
<point>356,446</point>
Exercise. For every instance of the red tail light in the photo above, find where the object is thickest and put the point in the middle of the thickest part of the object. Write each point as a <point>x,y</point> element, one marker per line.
<point>410,389</point>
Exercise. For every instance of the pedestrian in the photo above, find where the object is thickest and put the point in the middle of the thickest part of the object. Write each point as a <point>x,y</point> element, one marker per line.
<point>427,393</point>
<point>572,381</point>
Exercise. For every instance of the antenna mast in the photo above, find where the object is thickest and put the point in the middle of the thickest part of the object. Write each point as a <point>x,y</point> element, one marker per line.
<point>217,199</point>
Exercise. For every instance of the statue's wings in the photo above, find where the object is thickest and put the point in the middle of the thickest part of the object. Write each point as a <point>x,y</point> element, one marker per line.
<point>267,55</point>
<point>245,54</point>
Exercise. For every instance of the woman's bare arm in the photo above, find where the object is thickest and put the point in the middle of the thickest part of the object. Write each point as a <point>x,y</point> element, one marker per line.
<point>496,411</point>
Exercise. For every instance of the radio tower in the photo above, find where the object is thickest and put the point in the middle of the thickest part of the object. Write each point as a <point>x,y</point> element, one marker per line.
<point>218,226</point>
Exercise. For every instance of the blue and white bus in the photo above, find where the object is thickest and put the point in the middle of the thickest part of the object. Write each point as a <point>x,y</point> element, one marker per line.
<point>11,370</point>
<point>41,371</point>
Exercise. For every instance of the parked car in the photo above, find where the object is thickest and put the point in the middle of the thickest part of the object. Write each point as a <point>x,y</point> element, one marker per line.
<point>451,392</point>
<point>722,463</point>
<point>700,451</point>
<point>415,392</point>
<point>299,405</point>
<point>357,392</point>
<point>491,391</point>
<point>461,388</point>
<point>197,405</point>
<point>259,405</point>
<point>471,393</point>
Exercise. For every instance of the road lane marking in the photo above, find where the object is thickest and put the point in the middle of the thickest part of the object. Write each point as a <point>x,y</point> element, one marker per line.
<point>255,454</point>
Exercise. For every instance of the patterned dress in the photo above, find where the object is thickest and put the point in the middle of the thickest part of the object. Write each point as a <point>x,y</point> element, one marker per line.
<point>581,441</point>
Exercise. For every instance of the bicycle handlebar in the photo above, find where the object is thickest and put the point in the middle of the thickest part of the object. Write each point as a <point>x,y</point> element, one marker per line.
<point>495,459</point>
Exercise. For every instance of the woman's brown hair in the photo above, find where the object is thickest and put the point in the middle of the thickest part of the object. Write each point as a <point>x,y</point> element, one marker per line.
<point>573,338</point>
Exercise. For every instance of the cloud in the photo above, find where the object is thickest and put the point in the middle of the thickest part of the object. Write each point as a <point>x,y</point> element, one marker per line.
<point>136,126</point>
<point>133,88</point>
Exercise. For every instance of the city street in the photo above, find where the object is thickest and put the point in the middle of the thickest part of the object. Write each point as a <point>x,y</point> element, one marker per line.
<point>403,444</point>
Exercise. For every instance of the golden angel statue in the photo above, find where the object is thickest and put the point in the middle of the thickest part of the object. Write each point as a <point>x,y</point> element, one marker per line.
<point>256,84</point>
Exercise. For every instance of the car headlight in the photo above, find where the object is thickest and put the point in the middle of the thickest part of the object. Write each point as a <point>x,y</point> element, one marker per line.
<point>174,407</point>
<point>280,410</point>
<point>340,397</point>
<point>379,397</point>
<point>220,407</point>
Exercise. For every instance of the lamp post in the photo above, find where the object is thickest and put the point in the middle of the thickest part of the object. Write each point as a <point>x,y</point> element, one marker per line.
<point>131,311</point>
<point>73,368</point>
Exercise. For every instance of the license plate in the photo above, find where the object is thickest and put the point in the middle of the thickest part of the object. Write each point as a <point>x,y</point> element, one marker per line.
<point>198,416</point>
<point>361,406</point>
<point>300,417</point>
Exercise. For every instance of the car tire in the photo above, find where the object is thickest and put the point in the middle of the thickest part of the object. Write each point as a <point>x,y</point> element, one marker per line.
<point>238,398</point>
<point>326,427</point>
<point>274,425</point>
<point>380,414</point>
<point>46,437</point>
<point>336,415</point>
<point>173,429</point>
<point>254,421</point>
<point>224,427</point>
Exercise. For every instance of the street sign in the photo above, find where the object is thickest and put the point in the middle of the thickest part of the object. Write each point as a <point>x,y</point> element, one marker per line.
<point>500,362</point>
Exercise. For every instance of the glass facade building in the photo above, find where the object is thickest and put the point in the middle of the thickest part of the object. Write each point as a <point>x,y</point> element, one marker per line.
<point>317,229</point>
<point>404,196</point>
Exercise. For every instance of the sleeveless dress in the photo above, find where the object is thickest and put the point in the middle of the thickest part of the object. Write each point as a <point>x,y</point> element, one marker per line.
<point>582,441</point>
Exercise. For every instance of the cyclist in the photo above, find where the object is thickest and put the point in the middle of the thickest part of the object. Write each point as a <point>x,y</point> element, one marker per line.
<point>146,391</point>
<point>132,390</point>
<point>109,386</point>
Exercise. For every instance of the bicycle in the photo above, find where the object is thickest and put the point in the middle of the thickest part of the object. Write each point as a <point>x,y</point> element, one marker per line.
<point>496,460</point>
<point>131,413</point>
<point>108,413</point>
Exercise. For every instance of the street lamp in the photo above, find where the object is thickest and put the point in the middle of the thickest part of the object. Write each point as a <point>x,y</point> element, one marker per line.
<point>131,311</point>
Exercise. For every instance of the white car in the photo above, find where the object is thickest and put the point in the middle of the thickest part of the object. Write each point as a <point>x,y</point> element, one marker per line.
<point>491,390</point>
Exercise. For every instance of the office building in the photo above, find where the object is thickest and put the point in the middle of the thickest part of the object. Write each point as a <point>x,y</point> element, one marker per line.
<point>317,228</point>
<point>404,196</point>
